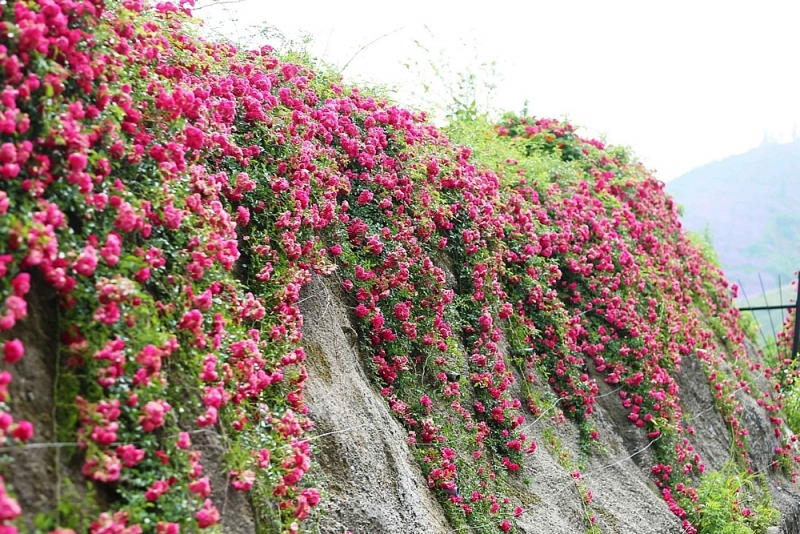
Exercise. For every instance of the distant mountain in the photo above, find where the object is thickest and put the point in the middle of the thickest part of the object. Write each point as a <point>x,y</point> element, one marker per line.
<point>750,206</point>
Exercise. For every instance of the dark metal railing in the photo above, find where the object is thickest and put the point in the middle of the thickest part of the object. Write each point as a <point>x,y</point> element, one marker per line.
<point>782,307</point>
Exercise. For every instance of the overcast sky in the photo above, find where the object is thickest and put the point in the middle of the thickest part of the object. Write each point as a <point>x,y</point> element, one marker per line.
<point>682,82</point>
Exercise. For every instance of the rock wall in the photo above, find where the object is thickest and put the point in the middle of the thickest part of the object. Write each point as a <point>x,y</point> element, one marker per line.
<point>371,481</point>
<point>374,486</point>
<point>38,466</point>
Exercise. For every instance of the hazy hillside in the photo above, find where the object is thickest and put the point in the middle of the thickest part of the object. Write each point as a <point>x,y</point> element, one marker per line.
<point>749,203</point>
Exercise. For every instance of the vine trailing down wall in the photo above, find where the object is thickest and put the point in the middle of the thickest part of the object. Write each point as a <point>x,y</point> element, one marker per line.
<point>177,194</point>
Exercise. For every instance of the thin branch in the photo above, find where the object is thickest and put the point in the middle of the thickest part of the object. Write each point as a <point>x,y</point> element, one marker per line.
<point>215,4</point>
<point>387,34</point>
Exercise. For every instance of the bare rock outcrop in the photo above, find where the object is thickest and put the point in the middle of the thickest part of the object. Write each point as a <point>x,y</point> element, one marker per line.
<point>372,482</point>
<point>374,486</point>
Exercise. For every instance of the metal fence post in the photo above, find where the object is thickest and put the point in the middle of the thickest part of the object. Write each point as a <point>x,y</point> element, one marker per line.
<point>796,339</point>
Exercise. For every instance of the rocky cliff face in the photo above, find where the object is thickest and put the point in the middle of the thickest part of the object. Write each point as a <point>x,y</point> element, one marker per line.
<point>372,480</point>
<point>374,485</point>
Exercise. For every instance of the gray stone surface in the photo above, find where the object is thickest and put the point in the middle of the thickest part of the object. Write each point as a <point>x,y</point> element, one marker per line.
<point>372,482</point>
<point>365,460</point>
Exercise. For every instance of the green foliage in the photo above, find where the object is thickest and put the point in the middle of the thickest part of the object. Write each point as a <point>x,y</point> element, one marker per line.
<point>731,501</point>
<point>451,92</point>
<point>74,510</point>
<point>791,399</point>
<point>705,246</point>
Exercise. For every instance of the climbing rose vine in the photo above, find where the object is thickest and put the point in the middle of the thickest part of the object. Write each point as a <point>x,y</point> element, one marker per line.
<point>172,196</point>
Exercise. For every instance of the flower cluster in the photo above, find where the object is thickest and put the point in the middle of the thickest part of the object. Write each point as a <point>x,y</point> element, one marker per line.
<point>136,175</point>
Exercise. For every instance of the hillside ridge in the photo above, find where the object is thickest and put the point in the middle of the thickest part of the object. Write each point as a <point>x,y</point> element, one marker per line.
<point>747,202</point>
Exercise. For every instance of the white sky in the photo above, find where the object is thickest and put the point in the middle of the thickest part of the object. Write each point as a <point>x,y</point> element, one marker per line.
<point>683,82</point>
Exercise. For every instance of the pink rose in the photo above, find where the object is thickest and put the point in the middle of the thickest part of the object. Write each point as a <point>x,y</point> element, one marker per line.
<point>23,431</point>
<point>13,351</point>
